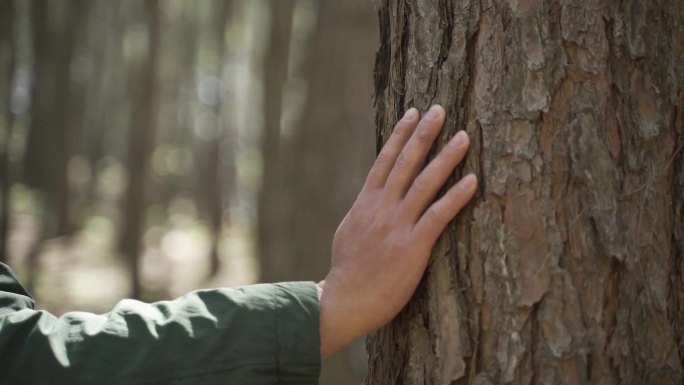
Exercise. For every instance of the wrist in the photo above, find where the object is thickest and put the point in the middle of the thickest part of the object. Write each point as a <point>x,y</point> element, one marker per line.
<point>340,322</point>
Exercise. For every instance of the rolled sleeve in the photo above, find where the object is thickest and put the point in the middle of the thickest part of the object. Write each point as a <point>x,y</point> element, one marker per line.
<point>259,334</point>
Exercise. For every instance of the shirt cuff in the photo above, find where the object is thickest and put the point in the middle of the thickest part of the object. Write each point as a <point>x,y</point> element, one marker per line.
<point>297,331</point>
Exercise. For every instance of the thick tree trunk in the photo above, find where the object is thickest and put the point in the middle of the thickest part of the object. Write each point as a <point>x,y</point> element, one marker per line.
<point>568,266</point>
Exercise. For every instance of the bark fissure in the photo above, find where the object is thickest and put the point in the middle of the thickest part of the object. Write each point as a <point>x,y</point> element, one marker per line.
<point>381,73</point>
<point>402,52</point>
<point>676,303</point>
<point>567,267</point>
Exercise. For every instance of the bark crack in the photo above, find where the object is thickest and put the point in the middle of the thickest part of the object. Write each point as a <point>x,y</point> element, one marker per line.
<point>447,26</point>
<point>381,73</point>
<point>403,62</point>
<point>676,282</point>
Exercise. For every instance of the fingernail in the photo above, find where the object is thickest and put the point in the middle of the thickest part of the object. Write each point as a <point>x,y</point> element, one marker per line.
<point>410,114</point>
<point>459,140</point>
<point>468,182</point>
<point>435,112</point>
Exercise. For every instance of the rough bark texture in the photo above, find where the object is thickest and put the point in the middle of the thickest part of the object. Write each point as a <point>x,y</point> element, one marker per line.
<point>568,266</point>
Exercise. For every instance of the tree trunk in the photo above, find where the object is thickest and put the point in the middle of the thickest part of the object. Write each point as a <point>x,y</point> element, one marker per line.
<point>56,28</point>
<point>319,164</point>
<point>331,152</point>
<point>568,266</point>
<point>50,140</point>
<point>272,212</point>
<point>215,176</point>
<point>141,141</point>
<point>7,67</point>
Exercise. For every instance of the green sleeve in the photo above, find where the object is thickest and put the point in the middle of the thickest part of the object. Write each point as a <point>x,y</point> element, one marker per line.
<point>260,334</point>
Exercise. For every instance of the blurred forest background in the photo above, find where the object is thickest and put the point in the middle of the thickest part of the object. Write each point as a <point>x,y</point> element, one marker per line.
<point>149,148</point>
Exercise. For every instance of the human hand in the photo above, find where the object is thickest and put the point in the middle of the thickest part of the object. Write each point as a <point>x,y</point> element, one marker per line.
<point>381,248</point>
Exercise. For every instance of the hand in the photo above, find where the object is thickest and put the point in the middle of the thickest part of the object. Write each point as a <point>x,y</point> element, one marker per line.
<point>382,247</point>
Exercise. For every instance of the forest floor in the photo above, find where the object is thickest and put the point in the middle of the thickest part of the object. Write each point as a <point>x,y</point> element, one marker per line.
<point>84,273</point>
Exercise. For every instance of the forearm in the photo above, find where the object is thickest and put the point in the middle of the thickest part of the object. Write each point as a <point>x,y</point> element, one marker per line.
<point>229,335</point>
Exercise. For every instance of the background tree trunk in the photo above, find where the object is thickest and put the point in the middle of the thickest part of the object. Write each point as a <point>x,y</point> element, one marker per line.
<point>273,201</point>
<point>217,180</point>
<point>143,84</point>
<point>331,152</point>
<point>49,143</point>
<point>316,154</point>
<point>7,68</point>
<point>568,266</point>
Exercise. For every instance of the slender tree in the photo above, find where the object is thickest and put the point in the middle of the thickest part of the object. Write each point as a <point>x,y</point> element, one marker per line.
<point>7,68</point>
<point>214,175</point>
<point>143,87</point>
<point>568,268</point>
<point>49,144</point>
<point>272,212</point>
<point>330,152</point>
<point>314,166</point>
<point>105,92</point>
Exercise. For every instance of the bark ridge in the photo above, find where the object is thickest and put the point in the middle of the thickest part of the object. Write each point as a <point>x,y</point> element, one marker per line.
<point>568,267</point>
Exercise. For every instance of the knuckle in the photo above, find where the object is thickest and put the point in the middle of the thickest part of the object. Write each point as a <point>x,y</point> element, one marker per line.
<point>381,159</point>
<point>421,184</point>
<point>433,215</point>
<point>382,225</point>
<point>423,135</point>
<point>402,161</point>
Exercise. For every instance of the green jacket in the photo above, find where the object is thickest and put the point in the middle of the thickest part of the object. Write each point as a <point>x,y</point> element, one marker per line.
<point>261,334</point>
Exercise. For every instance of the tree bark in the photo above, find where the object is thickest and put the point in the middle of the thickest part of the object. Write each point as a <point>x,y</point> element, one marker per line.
<point>568,266</point>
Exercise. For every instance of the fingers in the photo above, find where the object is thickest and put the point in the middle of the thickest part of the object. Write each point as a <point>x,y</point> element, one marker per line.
<point>435,219</point>
<point>430,180</point>
<point>389,153</point>
<point>413,155</point>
